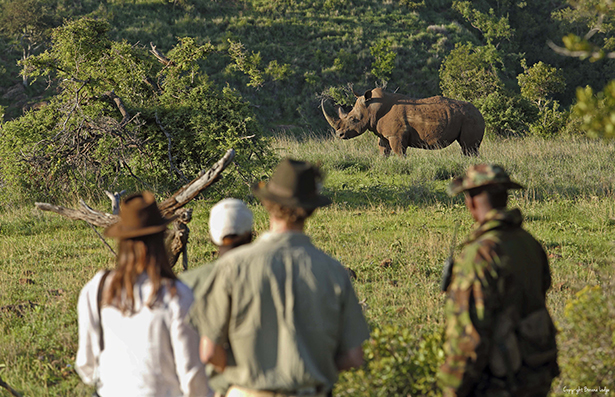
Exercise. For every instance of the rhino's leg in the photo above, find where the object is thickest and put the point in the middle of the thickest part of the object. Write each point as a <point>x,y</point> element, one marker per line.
<point>396,145</point>
<point>469,150</point>
<point>471,135</point>
<point>384,147</point>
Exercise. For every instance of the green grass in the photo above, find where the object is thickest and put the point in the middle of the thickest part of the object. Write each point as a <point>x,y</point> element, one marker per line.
<point>394,210</point>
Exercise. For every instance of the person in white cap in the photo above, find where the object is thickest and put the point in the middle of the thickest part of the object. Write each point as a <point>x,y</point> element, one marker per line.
<point>286,310</point>
<point>230,226</point>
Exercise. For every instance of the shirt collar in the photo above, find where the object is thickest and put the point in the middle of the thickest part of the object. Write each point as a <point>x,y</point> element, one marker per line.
<point>497,219</point>
<point>281,236</point>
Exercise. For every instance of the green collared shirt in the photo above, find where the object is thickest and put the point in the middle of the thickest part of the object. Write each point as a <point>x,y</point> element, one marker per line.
<point>197,280</point>
<point>285,308</point>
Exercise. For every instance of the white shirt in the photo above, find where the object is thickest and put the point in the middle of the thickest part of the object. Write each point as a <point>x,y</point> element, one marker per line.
<point>153,353</point>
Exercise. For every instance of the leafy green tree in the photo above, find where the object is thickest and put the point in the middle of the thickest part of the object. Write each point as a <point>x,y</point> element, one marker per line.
<point>539,81</point>
<point>469,72</point>
<point>507,114</point>
<point>384,59</point>
<point>595,110</point>
<point>125,118</point>
<point>493,28</point>
<point>247,63</point>
<point>28,23</point>
<point>472,74</point>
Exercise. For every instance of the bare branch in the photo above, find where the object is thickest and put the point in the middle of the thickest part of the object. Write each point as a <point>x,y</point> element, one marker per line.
<point>102,238</point>
<point>115,200</point>
<point>163,60</point>
<point>120,106</point>
<point>9,388</point>
<point>578,54</point>
<point>192,189</point>
<point>177,237</point>
<point>172,166</point>
<point>87,214</point>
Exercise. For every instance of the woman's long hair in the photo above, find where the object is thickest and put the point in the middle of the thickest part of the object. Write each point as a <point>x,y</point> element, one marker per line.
<point>137,255</point>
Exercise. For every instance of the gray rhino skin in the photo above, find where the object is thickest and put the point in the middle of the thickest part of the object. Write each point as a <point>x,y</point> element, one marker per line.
<point>401,122</point>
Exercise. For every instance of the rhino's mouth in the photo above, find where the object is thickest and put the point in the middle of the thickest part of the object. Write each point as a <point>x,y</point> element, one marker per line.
<point>341,135</point>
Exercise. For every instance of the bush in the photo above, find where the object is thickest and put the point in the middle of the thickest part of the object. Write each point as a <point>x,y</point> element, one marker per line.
<point>551,120</point>
<point>398,363</point>
<point>587,339</point>
<point>470,73</point>
<point>507,114</point>
<point>125,119</point>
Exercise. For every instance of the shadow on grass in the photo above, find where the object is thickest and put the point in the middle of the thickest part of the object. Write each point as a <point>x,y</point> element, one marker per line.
<point>387,196</point>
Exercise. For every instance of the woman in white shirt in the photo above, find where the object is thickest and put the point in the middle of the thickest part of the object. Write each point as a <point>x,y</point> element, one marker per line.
<point>137,343</point>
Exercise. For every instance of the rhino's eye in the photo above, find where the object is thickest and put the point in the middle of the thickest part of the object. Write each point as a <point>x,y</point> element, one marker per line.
<point>355,120</point>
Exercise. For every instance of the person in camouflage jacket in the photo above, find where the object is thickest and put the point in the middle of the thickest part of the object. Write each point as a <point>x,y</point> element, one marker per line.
<point>500,340</point>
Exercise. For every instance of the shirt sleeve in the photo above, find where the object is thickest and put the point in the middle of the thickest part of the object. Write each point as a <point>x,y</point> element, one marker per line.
<point>469,312</point>
<point>354,329</point>
<point>86,362</point>
<point>211,310</point>
<point>185,343</point>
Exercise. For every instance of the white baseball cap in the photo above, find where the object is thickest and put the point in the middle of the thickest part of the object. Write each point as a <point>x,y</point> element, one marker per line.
<point>229,216</point>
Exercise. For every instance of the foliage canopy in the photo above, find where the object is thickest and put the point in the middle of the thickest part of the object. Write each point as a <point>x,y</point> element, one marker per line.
<point>125,118</point>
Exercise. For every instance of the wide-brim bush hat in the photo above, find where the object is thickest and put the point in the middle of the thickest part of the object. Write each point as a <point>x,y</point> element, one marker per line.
<point>294,184</point>
<point>229,217</point>
<point>139,216</point>
<point>491,176</point>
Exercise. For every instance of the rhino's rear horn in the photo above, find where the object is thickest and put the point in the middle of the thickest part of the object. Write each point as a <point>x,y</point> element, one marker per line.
<point>341,112</point>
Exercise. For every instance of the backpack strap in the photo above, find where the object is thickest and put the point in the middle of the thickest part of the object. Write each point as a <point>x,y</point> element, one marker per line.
<point>99,295</point>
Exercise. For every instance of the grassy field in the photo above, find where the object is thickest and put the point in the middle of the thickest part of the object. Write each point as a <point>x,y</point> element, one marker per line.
<point>391,222</point>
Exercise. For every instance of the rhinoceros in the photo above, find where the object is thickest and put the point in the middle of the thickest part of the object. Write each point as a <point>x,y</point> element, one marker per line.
<point>401,122</point>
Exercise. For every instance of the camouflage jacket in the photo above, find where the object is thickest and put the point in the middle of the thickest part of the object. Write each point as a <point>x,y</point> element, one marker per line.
<point>501,265</point>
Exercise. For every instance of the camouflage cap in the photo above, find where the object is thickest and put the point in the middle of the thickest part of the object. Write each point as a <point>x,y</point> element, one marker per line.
<point>482,175</point>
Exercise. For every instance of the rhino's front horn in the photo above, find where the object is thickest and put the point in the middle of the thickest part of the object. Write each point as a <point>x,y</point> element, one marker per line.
<point>332,122</point>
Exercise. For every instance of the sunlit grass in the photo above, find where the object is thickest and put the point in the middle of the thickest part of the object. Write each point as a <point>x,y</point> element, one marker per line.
<point>391,222</point>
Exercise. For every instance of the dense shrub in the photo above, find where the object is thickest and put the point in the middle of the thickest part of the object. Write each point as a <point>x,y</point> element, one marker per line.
<point>507,114</point>
<point>398,363</point>
<point>551,120</point>
<point>470,73</point>
<point>124,119</point>
<point>587,339</point>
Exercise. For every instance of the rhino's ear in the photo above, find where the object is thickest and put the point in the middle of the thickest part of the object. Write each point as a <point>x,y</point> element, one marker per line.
<point>368,95</point>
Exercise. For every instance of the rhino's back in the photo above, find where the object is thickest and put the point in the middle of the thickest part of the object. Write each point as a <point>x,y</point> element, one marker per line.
<point>434,121</point>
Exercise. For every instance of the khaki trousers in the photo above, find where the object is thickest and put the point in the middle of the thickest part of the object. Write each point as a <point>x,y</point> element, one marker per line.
<point>236,391</point>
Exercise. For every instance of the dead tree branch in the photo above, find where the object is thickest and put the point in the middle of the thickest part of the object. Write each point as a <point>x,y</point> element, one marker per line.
<point>86,213</point>
<point>115,200</point>
<point>9,388</point>
<point>192,189</point>
<point>163,60</point>
<point>120,106</point>
<point>178,233</point>
<point>171,164</point>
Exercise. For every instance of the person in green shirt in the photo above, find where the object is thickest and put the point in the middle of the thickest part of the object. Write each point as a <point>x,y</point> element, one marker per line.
<point>230,226</point>
<point>500,339</point>
<point>285,310</point>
